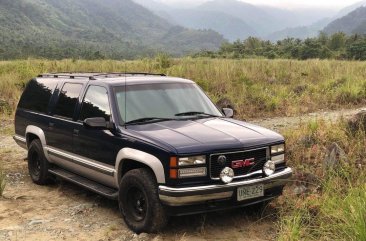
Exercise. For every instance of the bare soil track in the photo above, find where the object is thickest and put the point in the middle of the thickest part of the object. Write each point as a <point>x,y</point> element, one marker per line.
<point>64,211</point>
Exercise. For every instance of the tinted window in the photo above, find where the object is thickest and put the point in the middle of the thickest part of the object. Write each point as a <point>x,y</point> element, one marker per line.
<point>37,95</point>
<point>95,103</point>
<point>68,99</point>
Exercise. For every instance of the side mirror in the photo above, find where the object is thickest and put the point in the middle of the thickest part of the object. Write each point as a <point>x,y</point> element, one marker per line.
<point>96,122</point>
<point>229,113</point>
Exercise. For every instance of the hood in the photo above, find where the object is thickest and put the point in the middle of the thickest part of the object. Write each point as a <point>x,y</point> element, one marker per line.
<point>205,135</point>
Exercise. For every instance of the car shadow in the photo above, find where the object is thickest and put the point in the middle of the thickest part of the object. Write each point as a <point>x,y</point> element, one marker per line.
<point>241,218</point>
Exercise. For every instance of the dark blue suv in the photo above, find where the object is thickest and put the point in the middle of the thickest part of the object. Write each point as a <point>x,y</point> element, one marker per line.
<point>156,144</point>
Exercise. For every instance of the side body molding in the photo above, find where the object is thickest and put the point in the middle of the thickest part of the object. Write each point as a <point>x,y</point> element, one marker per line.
<point>132,154</point>
<point>38,132</point>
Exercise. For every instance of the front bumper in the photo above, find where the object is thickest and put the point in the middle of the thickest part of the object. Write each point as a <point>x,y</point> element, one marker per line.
<point>201,194</point>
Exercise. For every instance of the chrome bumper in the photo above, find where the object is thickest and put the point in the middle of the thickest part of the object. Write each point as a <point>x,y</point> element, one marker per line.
<point>195,195</point>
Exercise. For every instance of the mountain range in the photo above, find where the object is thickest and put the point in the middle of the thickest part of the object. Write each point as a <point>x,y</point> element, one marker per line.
<point>352,23</point>
<point>137,28</point>
<point>237,20</point>
<point>114,28</point>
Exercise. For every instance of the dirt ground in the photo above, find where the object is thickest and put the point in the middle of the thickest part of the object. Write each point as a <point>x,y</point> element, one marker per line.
<point>64,211</point>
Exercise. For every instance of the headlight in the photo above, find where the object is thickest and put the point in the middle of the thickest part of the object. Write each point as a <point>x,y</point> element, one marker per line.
<point>190,161</point>
<point>277,149</point>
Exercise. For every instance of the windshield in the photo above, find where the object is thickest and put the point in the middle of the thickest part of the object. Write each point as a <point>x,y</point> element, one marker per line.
<point>166,100</point>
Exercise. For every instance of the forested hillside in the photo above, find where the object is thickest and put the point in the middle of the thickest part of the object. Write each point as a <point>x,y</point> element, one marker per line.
<point>353,23</point>
<point>92,29</point>
<point>335,46</point>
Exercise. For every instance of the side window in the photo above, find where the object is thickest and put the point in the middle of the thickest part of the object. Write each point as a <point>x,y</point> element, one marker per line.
<point>67,100</point>
<point>37,95</point>
<point>95,104</point>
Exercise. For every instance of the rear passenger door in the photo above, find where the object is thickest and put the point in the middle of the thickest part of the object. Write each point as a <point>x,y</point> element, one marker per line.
<point>59,134</point>
<point>97,145</point>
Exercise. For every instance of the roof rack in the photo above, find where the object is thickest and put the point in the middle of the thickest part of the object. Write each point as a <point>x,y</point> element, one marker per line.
<point>94,75</point>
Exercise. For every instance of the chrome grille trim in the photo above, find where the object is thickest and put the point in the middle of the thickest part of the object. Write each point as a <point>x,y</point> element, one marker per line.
<point>236,152</point>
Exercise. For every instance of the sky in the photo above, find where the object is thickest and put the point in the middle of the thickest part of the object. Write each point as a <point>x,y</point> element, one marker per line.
<point>286,3</point>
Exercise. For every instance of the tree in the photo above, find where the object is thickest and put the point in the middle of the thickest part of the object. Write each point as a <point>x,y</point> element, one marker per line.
<point>337,41</point>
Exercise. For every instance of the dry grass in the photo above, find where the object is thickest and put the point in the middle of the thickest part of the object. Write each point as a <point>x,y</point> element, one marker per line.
<point>2,182</point>
<point>255,87</point>
<point>334,208</point>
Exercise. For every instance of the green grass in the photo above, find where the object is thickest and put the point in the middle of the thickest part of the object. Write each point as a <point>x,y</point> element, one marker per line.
<point>255,87</point>
<point>335,207</point>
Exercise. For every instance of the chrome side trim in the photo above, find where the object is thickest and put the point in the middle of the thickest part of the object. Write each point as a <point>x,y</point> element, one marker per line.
<point>20,138</point>
<point>286,173</point>
<point>82,161</point>
<point>179,201</point>
<point>21,141</point>
<point>145,158</point>
<point>38,132</point>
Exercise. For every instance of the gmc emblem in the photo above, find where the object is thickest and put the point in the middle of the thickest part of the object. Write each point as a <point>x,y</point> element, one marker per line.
<point>242,163</point>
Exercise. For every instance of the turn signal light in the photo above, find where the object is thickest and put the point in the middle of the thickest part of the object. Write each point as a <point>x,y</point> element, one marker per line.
<point>173,174</point>
<point>173,161</point>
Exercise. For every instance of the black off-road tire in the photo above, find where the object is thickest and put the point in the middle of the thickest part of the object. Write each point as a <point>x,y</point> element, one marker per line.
<point>139,202</point>
<point>38,164</point>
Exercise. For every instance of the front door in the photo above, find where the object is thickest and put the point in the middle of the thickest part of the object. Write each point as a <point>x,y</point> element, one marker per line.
<point>99,147</point>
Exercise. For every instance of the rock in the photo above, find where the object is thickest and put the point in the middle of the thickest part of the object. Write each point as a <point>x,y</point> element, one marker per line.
<point>143,236</point>
<point>37,221</point>
<point>81,208</point>
<point>157,238</point>
<point>299,190</point>
<point>358,122</point>
<point>335,155</point>
<point>307,179</point>
<point>300,89</point>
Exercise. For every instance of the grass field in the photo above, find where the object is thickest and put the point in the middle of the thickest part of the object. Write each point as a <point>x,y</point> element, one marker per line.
<point>334,207</point>
<point>255,87</point>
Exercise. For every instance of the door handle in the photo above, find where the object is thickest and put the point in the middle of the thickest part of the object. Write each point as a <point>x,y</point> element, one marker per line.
<point>76,132</point>
<point>51,125</point>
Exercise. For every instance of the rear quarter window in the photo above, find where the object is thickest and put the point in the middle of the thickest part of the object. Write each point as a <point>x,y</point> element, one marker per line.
<point>68,100</point>
<point>37,95</point>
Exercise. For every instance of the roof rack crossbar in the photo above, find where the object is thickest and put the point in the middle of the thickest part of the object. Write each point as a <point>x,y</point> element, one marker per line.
<point>94,75</point>
<point>127,73</point>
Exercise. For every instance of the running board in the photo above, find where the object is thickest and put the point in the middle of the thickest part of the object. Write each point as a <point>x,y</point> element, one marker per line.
<point>86,183</point>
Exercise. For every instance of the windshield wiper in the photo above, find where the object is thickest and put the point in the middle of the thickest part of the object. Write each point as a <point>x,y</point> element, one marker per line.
<point>147,119</point>
<point>195,113</point>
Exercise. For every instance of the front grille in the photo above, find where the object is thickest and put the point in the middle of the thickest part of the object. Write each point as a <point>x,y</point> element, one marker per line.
<point>259,155</point>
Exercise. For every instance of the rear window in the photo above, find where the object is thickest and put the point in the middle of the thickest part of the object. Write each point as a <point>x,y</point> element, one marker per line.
<point>37,95</point>
<point>67,101</point>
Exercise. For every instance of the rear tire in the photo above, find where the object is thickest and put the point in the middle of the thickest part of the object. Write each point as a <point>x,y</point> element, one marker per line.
<point>139,202</point>
<point>38,164</point>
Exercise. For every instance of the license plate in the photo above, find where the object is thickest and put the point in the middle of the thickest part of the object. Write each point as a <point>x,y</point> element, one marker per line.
<point>245,193</point>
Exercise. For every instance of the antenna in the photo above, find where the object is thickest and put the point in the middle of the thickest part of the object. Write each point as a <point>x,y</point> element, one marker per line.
<point>125,94</point>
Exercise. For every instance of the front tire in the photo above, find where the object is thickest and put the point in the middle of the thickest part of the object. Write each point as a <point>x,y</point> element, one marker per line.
<point>139,202</point>
<point>38,164</point>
